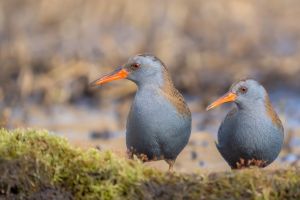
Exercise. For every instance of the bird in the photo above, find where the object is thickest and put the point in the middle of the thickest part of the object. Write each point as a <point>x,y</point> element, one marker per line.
<point>251,133</point>
<point>159,121</point>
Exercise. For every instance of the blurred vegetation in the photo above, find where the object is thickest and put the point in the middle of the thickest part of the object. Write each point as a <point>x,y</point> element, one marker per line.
<point>37,165</point>
<point>50,50</point>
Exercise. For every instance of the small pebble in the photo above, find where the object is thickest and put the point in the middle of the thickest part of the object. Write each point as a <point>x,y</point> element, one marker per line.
<point>105,135</point>
<point>194,155</point>
<point>201,163</point>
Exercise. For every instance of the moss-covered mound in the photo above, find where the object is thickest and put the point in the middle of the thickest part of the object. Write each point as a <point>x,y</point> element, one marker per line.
<point>38,165</point>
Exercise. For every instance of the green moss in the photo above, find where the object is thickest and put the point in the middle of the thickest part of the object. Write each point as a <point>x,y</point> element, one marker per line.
<point>86,174</point>
<point>35,163</point>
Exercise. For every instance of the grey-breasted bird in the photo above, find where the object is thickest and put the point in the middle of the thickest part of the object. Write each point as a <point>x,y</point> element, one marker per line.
<point>251,133</point>
<point>159,122</point>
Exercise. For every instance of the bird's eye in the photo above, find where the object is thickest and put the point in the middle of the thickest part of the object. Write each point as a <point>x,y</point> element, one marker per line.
<point>135,65</point>
<point>243,90</point>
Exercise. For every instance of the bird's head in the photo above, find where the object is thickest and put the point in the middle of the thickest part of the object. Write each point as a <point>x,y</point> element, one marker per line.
<point>140,69</point>
<point>245,93</point>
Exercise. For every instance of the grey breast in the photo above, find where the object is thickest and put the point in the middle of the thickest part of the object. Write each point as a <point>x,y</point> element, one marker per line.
<point>155,128</point>
<point>248,136</point>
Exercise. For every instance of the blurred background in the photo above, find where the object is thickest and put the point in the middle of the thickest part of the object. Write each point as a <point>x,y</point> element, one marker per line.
<point>51,50</point>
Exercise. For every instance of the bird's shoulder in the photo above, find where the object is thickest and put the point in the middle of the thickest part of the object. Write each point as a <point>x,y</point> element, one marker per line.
<point>176,99</point>
<point>272,114</point>
<point>169,91</point>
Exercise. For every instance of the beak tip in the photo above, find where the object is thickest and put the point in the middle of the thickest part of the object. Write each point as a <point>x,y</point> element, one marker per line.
<point>92,84</point>
<point>208,108</point>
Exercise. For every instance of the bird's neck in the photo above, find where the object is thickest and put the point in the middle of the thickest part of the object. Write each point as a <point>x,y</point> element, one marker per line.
<point>252,106</point>
<point>261,108</point>
<point>150,82</point>
<point>161,81</point>
<point>163,85</point>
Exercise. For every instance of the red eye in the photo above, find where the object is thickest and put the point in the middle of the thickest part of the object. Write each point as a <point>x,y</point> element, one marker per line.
<point>135,65</point>
<point>243,89</point>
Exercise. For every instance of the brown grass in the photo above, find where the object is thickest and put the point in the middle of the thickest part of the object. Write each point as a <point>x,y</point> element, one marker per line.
<point>49,51</point>
<point>46,45</point>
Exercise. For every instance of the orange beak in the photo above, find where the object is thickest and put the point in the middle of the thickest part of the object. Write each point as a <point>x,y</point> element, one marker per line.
<point>228,97</point>
<point>120,73</point>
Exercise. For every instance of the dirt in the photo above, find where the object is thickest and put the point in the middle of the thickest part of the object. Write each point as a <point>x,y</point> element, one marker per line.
<point>199,155</point>
<point>27,178</point>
